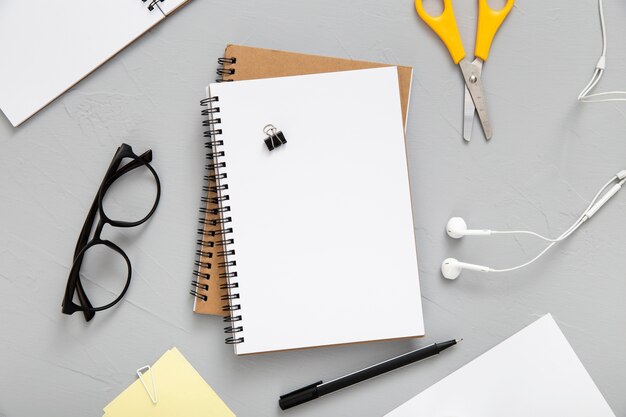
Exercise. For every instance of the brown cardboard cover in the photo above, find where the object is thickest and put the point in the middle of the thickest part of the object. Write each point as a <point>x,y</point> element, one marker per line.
<point>254,63</point>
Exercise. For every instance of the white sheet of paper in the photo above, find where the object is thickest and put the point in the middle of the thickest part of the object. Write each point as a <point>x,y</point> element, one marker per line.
<point>170,6</point>
<point>323,225</point>
<point>48,46</point>
<point>534,373</point>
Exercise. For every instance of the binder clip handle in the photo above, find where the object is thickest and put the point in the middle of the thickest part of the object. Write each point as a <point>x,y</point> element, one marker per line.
<point>275,137</point>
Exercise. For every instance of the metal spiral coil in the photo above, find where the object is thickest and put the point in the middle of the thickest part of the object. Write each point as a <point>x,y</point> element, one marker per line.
<point>225,242</point>
<point>214,144</point>
<point>211,156</point>
<point>217,222</point>
<point>199,295</point>
<point>205,101</point>
<point>214,211</point>
<point>228,297</point>
<point>215,188</point>
<point>212,132</point>
<point>215,200</point>
<point>199,242</point>
<point>206,254</point>
<point>213,223</point>
<point>200,286</point>
<point>218,210</point>
<point>215,165</point>
<point>216,177</point>
<point>233,329</point>
<point>222,61</point>
<point>210,111</point>
<point>225,69</point>
<point>205,265</point>
<point>211,122</point>
<point>213,233</point>
<point>200,275</point>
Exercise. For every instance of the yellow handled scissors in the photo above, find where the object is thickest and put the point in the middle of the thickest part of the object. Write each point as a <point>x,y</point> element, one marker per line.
<point>445,27</point>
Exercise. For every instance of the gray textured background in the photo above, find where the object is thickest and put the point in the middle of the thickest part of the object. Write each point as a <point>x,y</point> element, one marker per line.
<point>548,157</point>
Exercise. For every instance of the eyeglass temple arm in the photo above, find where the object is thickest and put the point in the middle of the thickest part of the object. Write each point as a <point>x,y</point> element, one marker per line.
<point>84,301</point>
<point>83,238</point>
<point>74,281</point>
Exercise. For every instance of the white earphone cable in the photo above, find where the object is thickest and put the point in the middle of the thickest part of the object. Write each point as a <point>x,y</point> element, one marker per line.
<point>579,222</point>
<point>584,95</point>
<point>571,230</point>
<point>523,232</point>
<point>560,238</point>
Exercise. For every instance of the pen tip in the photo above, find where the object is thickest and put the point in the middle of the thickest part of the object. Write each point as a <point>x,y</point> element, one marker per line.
<point>458,340</point>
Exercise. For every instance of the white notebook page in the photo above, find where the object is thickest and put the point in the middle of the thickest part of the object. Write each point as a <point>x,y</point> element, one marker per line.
<point>48,46</point>
<point>534,373</point>
<point>170,6</point>
<point>323,226</point>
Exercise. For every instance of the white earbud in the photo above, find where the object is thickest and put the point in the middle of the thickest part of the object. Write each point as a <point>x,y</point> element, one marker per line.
<point>457,228</point>
<point>451,268</point>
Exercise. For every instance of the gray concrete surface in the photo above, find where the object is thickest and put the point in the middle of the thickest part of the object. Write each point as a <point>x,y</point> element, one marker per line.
<point>548,157</point>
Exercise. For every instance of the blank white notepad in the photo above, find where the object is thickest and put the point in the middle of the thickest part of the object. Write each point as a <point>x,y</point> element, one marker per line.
<point>534,373</point>
<point>322,226</point>
<point>48,46</point>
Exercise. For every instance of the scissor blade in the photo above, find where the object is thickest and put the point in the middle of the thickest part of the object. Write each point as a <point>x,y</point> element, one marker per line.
<point>468,116</point>
<point>468,107</point>
<point>471,74</point>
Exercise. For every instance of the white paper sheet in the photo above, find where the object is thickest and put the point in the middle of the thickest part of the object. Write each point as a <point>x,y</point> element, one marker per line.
<point>534,373</point>
<point>323,226</point>
<point>170,6</point>
<point>48,46</point>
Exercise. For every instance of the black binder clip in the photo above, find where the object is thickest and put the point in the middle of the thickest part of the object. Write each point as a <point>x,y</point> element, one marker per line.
<point>275,137</point>
<point>153,3</point>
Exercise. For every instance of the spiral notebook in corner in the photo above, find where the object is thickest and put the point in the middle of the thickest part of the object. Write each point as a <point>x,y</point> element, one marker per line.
<point>301,224</point>
<point>49,46</point>
<point>245,63</point>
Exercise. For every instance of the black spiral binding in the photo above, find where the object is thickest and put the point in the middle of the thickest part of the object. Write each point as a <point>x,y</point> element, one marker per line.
<point>220,251</point>
<point>224,70</point>
<point>153,3</point>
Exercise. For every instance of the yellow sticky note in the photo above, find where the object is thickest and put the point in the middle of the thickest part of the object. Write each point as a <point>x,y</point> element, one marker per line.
<point>181,391</point>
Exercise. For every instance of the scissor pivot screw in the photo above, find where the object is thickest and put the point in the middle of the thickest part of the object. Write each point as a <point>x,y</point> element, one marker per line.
<point>473,79</point>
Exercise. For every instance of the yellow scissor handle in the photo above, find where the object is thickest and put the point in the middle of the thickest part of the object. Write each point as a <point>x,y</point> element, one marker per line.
<point>445,27</point>
<point>489,22</point>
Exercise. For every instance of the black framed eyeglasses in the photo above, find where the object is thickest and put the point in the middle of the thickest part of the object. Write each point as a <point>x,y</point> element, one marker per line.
<point>118,168</point>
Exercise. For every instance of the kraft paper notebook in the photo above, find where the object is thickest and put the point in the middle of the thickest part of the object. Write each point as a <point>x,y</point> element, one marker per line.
<point>48,46</point>
<point>302,225</point>
<point>246,63</point>
<point>534,373</point>
<point>175,386</point>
